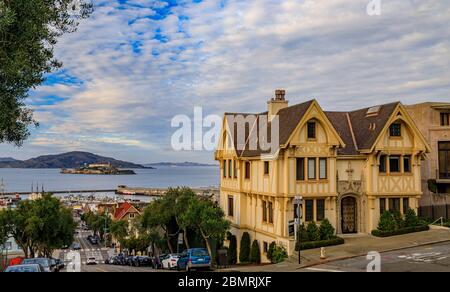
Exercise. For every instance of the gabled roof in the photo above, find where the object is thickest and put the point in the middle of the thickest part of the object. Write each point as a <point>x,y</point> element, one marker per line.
<point>123,209</point>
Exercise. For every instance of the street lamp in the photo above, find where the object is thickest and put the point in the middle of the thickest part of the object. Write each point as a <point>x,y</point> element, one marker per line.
<point>298,201</point>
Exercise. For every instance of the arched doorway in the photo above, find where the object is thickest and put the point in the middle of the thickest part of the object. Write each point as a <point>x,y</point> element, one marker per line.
<point>349,215</point>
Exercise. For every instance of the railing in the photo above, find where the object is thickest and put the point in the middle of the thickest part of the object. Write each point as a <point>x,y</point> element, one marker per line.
<point>440,219</point>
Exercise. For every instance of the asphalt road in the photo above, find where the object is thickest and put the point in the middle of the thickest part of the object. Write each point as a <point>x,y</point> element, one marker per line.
<point>430,258</point>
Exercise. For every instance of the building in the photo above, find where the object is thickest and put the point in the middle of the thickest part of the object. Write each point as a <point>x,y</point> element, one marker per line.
<point>349,167</point>
<point>433,120</point>
<point>125,211</point>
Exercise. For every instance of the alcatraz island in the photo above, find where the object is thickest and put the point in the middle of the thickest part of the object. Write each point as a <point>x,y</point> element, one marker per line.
<point>98,169</point>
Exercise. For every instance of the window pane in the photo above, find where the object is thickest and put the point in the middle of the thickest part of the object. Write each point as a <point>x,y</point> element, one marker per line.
<point>394,204</point>
<point>309,210</point>
<point>311,130</point>
<point>405,205</point>
<point>323,168</point>
<point>266,167</point>
<point>300,168</point>
<point>270,212</point>
<point>235,169</point>
<point>230,206</point>
<point>382,206</point>
<point>407,164</point>
<point>224,168</point>
<point>383,163</point>
<point>264,207</point>
<point>230,168</point>
<point>395,130</point>
<point>320,210</point>
<point>394,163</point>
<point>311,168</point>
<point>247,170</point>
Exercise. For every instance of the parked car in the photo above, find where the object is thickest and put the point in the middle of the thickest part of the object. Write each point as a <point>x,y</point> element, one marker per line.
<point>128,261</point>
<point>54,264</point>
<point>60,264</point>
<point>91,261</point>
<point>44,262</point>
<point>76,246</point>
<point>170,262</point>
<point>143,262</point>
<point>29,268</point>
<point>195,258</point>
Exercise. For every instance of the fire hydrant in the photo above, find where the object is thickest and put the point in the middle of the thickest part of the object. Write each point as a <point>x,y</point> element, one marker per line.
<point>322,253</point>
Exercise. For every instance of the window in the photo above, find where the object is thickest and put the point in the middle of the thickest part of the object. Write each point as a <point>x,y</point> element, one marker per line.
<point>264,210</point>
<point>323,168</point>
<point>225,168</point>
<point>230,168</point>
<point>405,205</point>
<point>444,160</point>
<point>311,168</point>
<point>266,167</point>
<point>247,170</point>
<point>309,210</point>
<point>230,206</point>
<point>265,247</point>
<point>300,168</point>
<point>394,205</point>
<point>382,206</point>
<point>311,130</point>
<point>445,119</point>
<point>235,169</point>
<point>270,212</point>
<point>131,215</point>
<point>320,209</point>
<point>383,164</point>
<point>394,164</point>
<point>407,163</point>
<point>395,130</point>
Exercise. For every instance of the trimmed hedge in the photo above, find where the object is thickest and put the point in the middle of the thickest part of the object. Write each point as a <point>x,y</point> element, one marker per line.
<point>320,243</point>
<point>406,230</point>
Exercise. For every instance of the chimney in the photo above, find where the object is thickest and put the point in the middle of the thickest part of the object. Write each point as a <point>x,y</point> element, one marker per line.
<point>277,103</point>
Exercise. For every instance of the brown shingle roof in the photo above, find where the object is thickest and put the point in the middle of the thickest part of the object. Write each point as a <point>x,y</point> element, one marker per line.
<point>339,120</point>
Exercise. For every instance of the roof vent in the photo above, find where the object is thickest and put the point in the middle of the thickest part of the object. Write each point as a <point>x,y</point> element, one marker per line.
<point>373,111</point>
<point>372,126</point>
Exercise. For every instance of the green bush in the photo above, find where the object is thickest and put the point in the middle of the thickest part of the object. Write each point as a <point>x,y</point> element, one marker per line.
<point>399,222</point>
<point>318,244</point>
<point>387,222</point>
<point>279,255</point>
<point>405,230</point>
<point>326,230</point>
<point>232,250</point>
<point>313,232</point>
<point>270,251</point>
<point>411,218</point>
<point>244,251</point>
<point>255,253</point>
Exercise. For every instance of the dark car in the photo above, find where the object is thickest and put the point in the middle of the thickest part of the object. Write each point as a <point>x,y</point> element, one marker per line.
<point>195,258</point>
<point>76,246</point>
<point>29,268</point>
<point>143,262</point>
<point>60,264</point>
<point>44,262</point>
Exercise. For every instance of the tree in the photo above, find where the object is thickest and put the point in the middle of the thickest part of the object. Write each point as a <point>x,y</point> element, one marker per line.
<point>207,218</point>
<point>232,250</point>
<point>255,253</point>
<point>119,229</point>
<point>29,31</point>
<point>4,227</point>
<point>326,230</point>
<point>244,251</point>
<point>270,251</point>
<point>387,222</point>
<point>313,231</point>
<point>411,218</point>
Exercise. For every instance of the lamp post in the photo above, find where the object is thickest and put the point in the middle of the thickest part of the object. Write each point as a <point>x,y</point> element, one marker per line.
<point>298,201</point>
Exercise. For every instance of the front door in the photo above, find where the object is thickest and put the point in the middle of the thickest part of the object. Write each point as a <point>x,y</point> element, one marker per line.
<point>349,215</point>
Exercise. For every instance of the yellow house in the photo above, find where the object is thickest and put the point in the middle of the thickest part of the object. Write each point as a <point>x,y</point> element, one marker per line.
<point>348,167</point>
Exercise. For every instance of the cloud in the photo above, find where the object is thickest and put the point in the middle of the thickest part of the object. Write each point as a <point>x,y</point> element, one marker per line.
<point>135,64</point>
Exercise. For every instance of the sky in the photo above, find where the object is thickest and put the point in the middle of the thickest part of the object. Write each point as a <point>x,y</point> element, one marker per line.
<point>135,64</point>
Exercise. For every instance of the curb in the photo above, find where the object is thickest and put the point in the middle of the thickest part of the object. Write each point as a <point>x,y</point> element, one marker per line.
<point>364,254</point>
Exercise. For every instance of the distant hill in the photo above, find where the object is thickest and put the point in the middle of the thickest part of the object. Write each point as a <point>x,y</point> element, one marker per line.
<point>66,160</point>
<point>179,164</point>
<point>7,159</point>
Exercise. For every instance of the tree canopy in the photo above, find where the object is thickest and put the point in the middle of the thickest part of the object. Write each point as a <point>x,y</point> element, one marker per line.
<point>29,31</point>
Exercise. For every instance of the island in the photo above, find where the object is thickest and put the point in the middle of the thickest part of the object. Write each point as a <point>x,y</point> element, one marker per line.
<point>98,169</point>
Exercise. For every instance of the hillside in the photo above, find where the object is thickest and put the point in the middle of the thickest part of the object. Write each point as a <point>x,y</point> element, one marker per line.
<point>66,160</point>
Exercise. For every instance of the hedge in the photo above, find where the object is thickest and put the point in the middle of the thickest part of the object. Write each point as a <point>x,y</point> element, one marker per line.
<point>320,243</point>
<point>406,230</point>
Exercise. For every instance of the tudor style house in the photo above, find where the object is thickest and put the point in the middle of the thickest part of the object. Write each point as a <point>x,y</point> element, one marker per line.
<point>349,167</point>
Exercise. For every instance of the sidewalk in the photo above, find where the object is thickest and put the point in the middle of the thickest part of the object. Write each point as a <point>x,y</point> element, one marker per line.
<point>357,245</point>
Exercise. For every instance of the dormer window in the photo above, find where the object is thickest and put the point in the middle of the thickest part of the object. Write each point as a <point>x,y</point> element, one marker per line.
<point>445,119</point>
<point>311,130</point>
<point>395,130</point>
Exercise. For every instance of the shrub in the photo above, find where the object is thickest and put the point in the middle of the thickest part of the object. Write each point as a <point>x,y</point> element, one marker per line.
<point>326,230</point>
<point>321,243</point>
<point>279,254</point>
<point>411,218</point>
<point>313,232</point>
<point>244,251</point>
<point>271,250</point>
<point>399,222</point>
<point>255,253</point>
<point>302,234</point>
<point>232,250</point>
<point>387,222</point>
<point>406,230</point>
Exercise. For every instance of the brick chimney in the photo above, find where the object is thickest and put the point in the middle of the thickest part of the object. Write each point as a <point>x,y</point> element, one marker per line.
<point>277,103</point>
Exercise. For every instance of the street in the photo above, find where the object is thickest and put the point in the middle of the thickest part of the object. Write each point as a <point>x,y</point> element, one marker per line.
<point>429,258</point>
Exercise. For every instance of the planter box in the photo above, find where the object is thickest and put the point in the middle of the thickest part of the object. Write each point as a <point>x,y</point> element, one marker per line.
<point>379,233</point>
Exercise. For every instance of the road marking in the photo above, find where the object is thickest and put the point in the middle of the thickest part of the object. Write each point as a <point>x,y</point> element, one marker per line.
<point>324,270</point>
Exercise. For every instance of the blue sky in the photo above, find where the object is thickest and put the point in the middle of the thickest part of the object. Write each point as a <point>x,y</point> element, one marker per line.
<point>136,63</point>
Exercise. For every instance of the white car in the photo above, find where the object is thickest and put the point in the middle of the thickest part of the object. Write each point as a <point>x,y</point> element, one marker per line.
<point>91,261</point>
<point>171,262</point>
